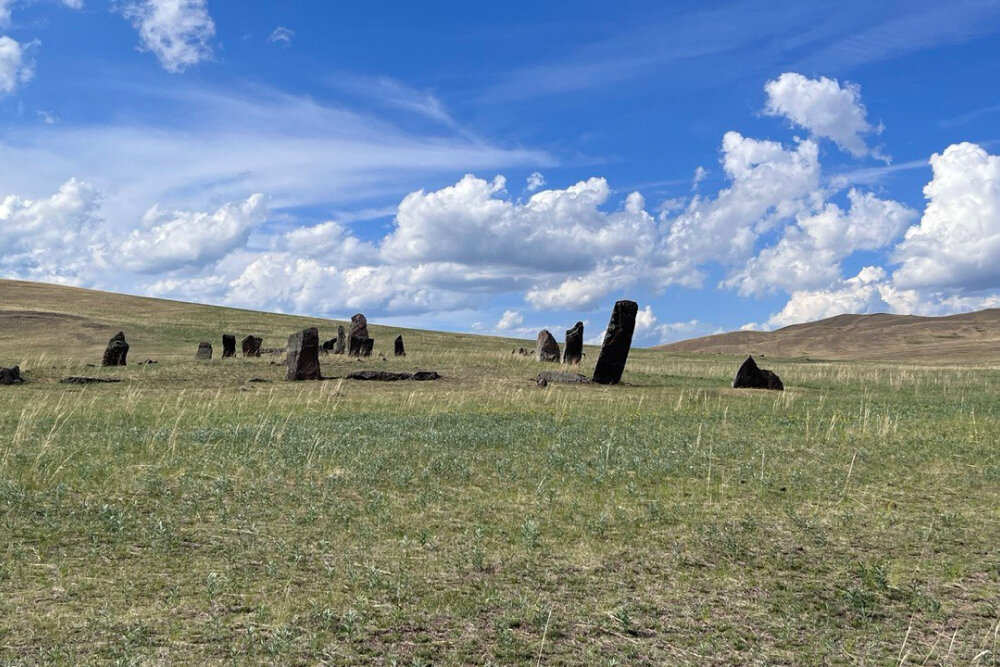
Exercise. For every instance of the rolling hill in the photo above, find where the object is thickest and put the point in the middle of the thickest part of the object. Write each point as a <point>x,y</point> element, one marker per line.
<point>879,337</point>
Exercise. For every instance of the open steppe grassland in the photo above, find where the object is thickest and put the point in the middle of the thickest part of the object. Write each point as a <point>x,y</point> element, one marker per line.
<point>188,515</point>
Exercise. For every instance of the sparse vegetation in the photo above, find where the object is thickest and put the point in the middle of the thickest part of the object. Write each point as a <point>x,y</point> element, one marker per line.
<point>187,515</point>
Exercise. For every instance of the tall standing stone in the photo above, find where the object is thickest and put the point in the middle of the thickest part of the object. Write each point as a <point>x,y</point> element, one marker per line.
<point>398,345</point>
<point>251,346</point>
<point>302,362</point>
<point>228,346</point>
<point>357,335</point>
<point>204,351</point>
<point>546,347</point>
<point>617,343</point>
<point>751,376</point>
<point>341,343</point>
<point>116,351</point>
<point>573,352</point>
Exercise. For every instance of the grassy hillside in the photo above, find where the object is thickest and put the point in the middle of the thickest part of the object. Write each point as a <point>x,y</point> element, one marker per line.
<point>188,515</point>
<point>969,337</point>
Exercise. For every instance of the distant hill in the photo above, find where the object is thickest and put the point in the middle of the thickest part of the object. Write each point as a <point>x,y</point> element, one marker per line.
<point>965,337</point>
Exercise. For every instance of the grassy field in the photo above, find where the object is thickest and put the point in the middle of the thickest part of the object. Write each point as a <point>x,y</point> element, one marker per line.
<point>188,515</point>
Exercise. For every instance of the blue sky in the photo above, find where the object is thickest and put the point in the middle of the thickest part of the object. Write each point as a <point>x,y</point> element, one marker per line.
<point>511,167</point>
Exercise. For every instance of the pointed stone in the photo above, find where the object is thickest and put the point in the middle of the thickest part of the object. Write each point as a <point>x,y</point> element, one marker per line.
<point>546,347</point>
<point>573,352</point>
<point>751,376</point>
<point>302,361</point>
<point>617,343</point>
<point>116,351</point>
<point>398,345</point>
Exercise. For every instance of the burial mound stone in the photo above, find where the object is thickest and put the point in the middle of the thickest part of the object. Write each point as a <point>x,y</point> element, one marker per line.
<point>204,351</point>
<point>228,346</point>
<point>302,360</point>
<point>751,376</point>
<point>390,376</point>
<point>562,377</point>
<point>251,346</point>
<point>86,380</point>
<point>573,352</point>
<point>617,343</point>
<point>546,347</point>
<point>398,346</point>
<point>11,376</point>
<point>116,351</point>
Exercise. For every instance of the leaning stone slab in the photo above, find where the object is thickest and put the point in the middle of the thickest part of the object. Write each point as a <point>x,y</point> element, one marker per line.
<point>10,376</point>
<point>116,351</point>
<point>562,377</point>
<point>751,376</point>
<point>251,346</point>
<point>617,343</point>
<point>302,360</point>
<point>573,352</point>
<point>228,346</point>
<point>204,351</point>
<point>86,380</point>
<point>546,347</point>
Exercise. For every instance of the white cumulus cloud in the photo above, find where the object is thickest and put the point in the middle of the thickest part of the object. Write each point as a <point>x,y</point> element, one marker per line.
<point>177,32</point>
<point>16,67</point>
<point>510,319</point>
<point>822,106</point>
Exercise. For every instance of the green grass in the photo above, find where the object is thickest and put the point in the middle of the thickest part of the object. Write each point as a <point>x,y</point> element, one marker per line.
<point>186,515</point>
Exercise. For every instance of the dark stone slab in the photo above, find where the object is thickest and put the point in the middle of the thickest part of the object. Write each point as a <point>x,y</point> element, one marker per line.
<point>562,377</point>
<point>573,352</point>
<point>86,380</point>
<point>251,346</point>
<point>357,335</point>
<point>116,352</point>
<point>367,345</point>
<point>10,376</point>
<point>398,347</point>
<point>751,376</point>
<point>204,351</point>
<point>228,346</point>
<point>423,376</point>
<point>341,344</point>
<point>546,347</point>
<point>302,360</point>
<point>390,376</point>
<point>617,343</point>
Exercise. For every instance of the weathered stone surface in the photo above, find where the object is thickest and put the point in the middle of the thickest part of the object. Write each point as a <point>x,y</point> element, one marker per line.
<point>562,377</point>
<point>327,345</point>
<point>546,347</point>
<point>398,346</point>
<point>542,382</point>
<point>204,351</point>
<point>573,352</point>
<point>367,345</point>
<point>116,351</point>
<point>617,343</point>
<point>11,376</point>
<point>341,344</point>
<point>302,362</point>
<point>251,346</point>
<point>86,380</point>
<point>228,346</point>
<point>357,335</point>
<point>751,376</point>
<point>390,376</point>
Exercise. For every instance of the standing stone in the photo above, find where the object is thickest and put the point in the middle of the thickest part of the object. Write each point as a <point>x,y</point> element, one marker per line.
<point>357,335</point>
<point>302,362</point>
<point>328,345</point>
<point>204,351</point>
<point>751,376</point>
<point>341,344</point>
<point>546,347</point>
<point>116,351</point>
<point>617,343</point>
<point>366,347</point>
<point>228,346</point>
<point>11,375</point>
<point>573,352</point>
<point>398,344</point>
<point>251,346</point>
